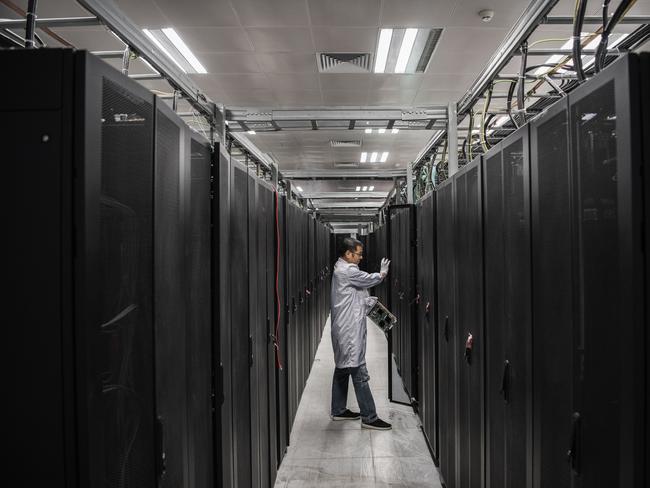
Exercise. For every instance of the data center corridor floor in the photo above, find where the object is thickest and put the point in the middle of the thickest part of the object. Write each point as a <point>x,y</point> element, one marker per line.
<point>340,454</point>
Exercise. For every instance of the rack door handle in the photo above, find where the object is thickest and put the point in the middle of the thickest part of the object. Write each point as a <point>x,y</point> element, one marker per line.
<point>572,453</point>
<point>505,382</point>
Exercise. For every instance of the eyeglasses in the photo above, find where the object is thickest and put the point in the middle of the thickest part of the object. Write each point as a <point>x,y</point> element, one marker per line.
<point>357,253</point>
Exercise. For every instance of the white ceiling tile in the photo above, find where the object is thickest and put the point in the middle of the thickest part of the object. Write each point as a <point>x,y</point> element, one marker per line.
<point>345,39</point>
<point>239,82</point>
<point>293,81</point>
<point>248,98</point>
<point>288,62</point>
<point>91,38</point>
<point>465,49</point>
<point>216,39</point>
<point>345,97</point>
<point>416,13</point>
<point>506,12</point>
<point>340,81</point>
<point>447,81</point>
<point>298,98</point>
<point>437,97</point>
<point>55,8</point>
<point>195,13</point>
<point>397,98</point>
<point>396,81</point>
<point>281,39</point>
<point>230,63</point>
<point>344,12</point>
<point>144,13</point>
<point>258,13</point>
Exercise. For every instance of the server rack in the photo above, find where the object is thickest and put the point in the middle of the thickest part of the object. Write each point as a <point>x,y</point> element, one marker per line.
<point>469,325</point>
<point>200,335</point>
<point>171,277</point>
<point>507,317</point>
<point>595,176</point>
<point>82,387</point>
<point>427,323</point>
<point>447,338</point>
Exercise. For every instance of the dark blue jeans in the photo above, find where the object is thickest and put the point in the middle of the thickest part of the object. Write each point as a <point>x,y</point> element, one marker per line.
<point>360,379</point>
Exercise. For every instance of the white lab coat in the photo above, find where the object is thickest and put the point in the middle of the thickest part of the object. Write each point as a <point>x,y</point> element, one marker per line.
<point>350,304</point>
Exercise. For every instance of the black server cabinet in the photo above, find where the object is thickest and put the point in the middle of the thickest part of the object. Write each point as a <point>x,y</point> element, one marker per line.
<point>282,304</point>
<point>507,312</point>
<point>221,316</point>
<point>468,324</point>
<point>553,297</point>
<point>447,336</point>
<point>427,330</point>
<point>171,313</point>
<point>605,124</point>
<point>80,190</point>
<point>201,449</point>
<point>241,344</point>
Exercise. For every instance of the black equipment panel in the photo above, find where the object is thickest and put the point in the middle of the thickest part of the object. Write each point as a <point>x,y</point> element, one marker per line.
<point>468,262</point>
<point>553,297</point>
<point>171,314</point>
<point>447,336</point>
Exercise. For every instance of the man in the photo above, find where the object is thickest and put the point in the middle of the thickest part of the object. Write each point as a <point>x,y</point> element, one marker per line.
<point>350,304</point>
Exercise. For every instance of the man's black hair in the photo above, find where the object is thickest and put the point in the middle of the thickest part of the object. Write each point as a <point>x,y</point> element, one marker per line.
<point>349,244</point>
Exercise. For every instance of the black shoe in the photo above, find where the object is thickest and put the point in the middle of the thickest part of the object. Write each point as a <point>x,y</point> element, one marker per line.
<point>378,424</point>
<point>347,415</point>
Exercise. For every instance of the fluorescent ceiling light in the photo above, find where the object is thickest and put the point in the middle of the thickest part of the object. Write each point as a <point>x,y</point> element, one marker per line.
<point>381,131</point>
<point>358,188</point>
<point>364,157</point>
<point>371,188</point>
<point>373,157</point>
<point>159,45</point>
<point>382,50</point>
<point>368,131</point>
<point>251,132</point>
<point>384,157</point>
<point>299,189</point>
<point>171,45</point>
<point>365,188</point>
<point>184,50</point>
<point>395,131</point>
<point>405,51</point>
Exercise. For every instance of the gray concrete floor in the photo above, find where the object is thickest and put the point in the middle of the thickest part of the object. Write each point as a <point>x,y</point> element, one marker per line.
<point>324,453</point>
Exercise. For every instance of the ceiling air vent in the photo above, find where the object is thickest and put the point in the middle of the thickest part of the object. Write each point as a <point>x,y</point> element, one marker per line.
<point>344,62</point>
<point>334,143</point>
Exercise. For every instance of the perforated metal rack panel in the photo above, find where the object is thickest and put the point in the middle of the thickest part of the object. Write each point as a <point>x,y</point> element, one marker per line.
<point>495,330</point>
<point>239,267</point>
<point>170,317</point>
<point>123,351</point>
<point>553,266</point>
<point>446,333</point>
<point>199,334</point>
<point>470,338</point>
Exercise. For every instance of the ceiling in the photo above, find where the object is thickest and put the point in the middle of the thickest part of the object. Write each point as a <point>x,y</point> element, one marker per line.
<point>262,54</point>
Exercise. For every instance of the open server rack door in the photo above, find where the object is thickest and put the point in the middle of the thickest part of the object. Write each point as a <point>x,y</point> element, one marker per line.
<point>201,451</point>
<point>427,306</point>
<point>447,336</point>
<point>171,314</point>
<point>82,387</point>
<point>403,344</point>
<point>468,326</point>
<point>507,319</point>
